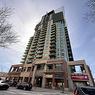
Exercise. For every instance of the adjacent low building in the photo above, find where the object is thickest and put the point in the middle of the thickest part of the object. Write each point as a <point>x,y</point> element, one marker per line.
<point>79,73</point>
<point>53,73</point>
<point>3,75</point>
<point>14,72</point>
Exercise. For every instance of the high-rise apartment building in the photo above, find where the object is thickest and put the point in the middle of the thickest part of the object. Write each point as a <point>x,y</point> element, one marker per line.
<point>46,55</point>
<point>50,41</point>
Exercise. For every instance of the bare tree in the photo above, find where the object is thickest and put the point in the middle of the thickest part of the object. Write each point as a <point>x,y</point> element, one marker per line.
<point>90,14</point>
<point>7,35</point>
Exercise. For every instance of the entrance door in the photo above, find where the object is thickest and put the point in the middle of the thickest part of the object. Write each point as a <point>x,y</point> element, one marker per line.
<point>38,81</point>
<point>49,83</point>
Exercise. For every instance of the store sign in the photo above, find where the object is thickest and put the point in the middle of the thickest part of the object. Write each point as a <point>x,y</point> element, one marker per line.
<point>79,77</point>
<point>49,76</point>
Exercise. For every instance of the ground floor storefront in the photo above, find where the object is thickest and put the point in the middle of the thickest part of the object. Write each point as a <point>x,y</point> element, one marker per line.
<point>81,83</point>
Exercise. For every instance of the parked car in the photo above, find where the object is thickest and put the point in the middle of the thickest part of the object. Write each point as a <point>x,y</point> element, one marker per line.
<point>11,83</point>
<point>24,85</point>
<point>3,85</point>
<point>84,90</point>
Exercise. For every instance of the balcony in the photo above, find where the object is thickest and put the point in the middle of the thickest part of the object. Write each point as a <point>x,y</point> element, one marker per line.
<point>52,39</point>
<point>31,54</point>
<point>42,37</point>
<point>26,52</point>
<point>34,44</point>
<point>42,34</point>
<point>53,29</point>
<point>29,43</point>
<point>22,61</point>
<point>39,56</point>
<point>41,42</point>
<point>53,46</point>
<point>52,55</point>
<point>31,57</point>
<point>53,36</point>
<point>33,47</point>
<point>23,58</point>
<point>39,52</point>
<point>44,28</point>
<point>35,41</point>
<point>32,50</point>
<point>27,47</point>
<point>53,32</point>
<point>29,61</point>
<point>41,45</point>
<point>52,50</point>
<point>53,26</point>
<point>53,43</point>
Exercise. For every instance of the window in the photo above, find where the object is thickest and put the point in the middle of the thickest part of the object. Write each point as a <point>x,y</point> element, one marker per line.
<point>58,67</point>
<point>73,69</point>
<point>32,68</point>
<point>26,79</point>
<point>24,69</point>
<point>28,69</point>
<point>40,67</point>
<point>77,69</point>
<point>50,66</point>
<point>14,69</point>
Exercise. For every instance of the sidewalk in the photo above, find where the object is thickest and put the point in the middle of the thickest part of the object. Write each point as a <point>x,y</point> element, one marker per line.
<point>37,89</point>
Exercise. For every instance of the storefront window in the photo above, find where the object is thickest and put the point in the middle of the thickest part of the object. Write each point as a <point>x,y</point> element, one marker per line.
<point>58,67</point>
<point>77,69</point>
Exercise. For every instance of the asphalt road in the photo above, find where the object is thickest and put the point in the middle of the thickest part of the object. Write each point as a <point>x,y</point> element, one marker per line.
<point>14,91</point>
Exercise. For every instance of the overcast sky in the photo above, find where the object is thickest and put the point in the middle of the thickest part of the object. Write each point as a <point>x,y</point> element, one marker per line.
<point>27,13</point>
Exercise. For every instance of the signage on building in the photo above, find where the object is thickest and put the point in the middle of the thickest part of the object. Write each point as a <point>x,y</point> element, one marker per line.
<point>79,77</point>
<point>49,76</point>
<point>54,61</point>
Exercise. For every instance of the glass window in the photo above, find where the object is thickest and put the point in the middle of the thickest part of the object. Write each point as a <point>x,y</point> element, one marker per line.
<point>24,69</point>
<point>77,69</point>
<point>50,66</point>
<point>58,67</point>
<point>28,69</point>
<point>40,67</point>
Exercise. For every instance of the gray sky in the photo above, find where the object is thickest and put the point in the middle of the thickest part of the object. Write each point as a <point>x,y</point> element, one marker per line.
<point>27,13</point>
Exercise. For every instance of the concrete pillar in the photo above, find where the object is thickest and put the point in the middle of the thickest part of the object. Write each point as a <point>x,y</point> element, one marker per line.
<point>33,76</point>
<point>65,80</point>
<point>53,81</point>
<point>89,76</point>
<point>44,79</point>
<point>10,69</point>
<point>70,82</point>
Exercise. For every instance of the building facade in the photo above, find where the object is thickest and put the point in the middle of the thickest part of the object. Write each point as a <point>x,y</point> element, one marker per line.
<point>50,43</point>
<point>79,74</point>
<point>47,54</point>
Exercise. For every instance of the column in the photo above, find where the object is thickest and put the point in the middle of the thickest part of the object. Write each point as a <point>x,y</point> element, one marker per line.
<point>53,77</point>
<point>70,82</point>
<point>53,81</point>
<point>33,76</point>
<point>44,79</point>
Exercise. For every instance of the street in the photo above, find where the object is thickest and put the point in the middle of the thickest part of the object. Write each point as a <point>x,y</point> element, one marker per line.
<point>34,91</point>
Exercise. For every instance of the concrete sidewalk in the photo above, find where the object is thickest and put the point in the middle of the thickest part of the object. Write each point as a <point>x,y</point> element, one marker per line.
<point>37,89</point>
